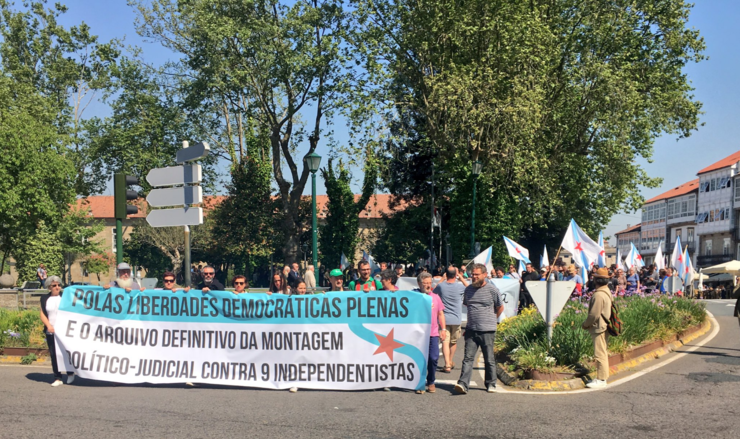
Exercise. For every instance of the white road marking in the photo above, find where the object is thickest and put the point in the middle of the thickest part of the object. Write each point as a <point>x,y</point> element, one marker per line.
<point>715,331</point>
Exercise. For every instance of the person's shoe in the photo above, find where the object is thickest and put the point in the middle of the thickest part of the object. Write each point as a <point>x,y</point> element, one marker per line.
<point>293,389</point>
<point>460,389</point>
<point>492,389</point>
<point>189,384</point>
<point>431,388</point>
<point>596,384</point>
<point>420,392</point>
<point>70,379</point>
<point>57,383</point>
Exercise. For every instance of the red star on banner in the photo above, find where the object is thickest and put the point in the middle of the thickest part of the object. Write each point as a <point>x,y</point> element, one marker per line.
<point>639,257</point>
<point>578,246</point>
<point>517,250</point>
<point>387,345</point>
<point>680,258</point>
<point>602,253</point>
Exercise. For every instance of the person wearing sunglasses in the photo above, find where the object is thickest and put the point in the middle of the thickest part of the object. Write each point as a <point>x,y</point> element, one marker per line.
<point>209,280</point>
<point>168,279</point>
<point>49,308</point>
<point>240,284</point>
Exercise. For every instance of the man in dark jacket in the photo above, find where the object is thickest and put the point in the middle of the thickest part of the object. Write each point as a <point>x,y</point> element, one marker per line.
<point>210,283</point>
<point>525,299</point>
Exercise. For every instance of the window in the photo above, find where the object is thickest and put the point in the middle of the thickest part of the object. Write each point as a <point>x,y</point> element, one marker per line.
<point>727,213</point>
<point>690,234</point>
<point>679,235</point>
<point>726,246</point>
<point>708,247</point>
<point>113,240</point>
<point>737,192</point>
<point>711,216</point>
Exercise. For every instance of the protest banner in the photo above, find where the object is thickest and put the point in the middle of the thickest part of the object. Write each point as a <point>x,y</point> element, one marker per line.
<point>509,289</point>
<point>342,340</point>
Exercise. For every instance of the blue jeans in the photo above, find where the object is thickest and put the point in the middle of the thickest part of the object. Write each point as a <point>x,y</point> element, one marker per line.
<point>432,360</point>
<point>473,341</point>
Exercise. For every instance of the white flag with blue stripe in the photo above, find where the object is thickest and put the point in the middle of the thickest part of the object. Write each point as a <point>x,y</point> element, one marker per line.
<point>516,251</point>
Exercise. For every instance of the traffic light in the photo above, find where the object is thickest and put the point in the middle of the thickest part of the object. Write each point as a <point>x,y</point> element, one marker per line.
<point>122,194</point>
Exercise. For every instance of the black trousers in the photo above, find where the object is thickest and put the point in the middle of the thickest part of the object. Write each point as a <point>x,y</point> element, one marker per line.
<point>50,342</point>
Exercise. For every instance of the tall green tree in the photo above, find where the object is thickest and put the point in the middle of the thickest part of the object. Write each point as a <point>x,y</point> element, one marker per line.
<point>557,98</point>
<point>339,233</point>
<point>284,65</point>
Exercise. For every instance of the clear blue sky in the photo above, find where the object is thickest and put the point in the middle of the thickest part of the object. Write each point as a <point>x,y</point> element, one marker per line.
<point>715,81</point>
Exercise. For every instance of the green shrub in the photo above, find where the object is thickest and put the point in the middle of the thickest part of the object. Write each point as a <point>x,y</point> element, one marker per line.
<point>28,359</point>
<point>21,329</point>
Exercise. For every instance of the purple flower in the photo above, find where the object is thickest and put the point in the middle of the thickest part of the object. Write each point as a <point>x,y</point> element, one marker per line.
<point>578,311</point>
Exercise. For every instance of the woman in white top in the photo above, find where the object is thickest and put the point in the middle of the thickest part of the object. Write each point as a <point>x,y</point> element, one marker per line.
<point>49,307</point>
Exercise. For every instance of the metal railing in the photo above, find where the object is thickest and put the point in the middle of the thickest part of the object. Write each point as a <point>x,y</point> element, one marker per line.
<point>709,260</point>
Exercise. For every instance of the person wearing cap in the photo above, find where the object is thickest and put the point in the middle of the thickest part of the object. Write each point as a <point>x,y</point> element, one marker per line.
<point>543,273</point>
<point>336,279</point>
<point>599,312</point>
<point>124,279</point>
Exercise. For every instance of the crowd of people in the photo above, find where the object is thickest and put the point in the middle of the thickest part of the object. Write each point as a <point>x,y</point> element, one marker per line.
<point>450,288</point>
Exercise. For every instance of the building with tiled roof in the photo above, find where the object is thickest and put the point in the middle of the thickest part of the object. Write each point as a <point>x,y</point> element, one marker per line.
<point>626,237</point>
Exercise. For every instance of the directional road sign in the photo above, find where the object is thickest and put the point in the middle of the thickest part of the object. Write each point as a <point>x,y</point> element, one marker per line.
<point>175,175</point>
<point>188,216</point>
<point>195,152</point>
<point>175,196</point>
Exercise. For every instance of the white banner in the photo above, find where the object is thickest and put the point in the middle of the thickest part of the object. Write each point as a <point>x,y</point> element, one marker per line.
<point>509,289</point>
<point>347,341</point>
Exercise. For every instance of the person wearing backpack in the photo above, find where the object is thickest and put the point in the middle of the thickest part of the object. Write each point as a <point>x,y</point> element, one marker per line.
<point>599,312</point>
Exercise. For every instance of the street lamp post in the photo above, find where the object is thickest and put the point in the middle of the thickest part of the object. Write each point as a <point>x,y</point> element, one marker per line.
<point>477,168</point>
<point>313,161</point>
<point>304,247</point>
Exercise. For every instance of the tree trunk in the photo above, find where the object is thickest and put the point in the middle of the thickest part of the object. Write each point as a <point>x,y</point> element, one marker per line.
<point>292,238</point>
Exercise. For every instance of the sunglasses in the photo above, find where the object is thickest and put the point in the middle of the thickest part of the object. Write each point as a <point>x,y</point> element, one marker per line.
<point>169,281</point>
<point>239,283</point>
<point>208,274</point>
<point>55,285</point>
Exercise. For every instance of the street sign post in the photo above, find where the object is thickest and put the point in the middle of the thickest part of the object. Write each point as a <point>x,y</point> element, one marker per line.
<point>172,175</point>
<point>183,216</point>
<point>175,196</point>
<point>195,152</point>
<point>550,298</point>
<point>186,178</point>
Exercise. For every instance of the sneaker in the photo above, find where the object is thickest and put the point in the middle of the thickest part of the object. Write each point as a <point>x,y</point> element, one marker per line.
<point>596,384</point>
<point>431,388</point>
<point>420,392</point>
<point>386,389</point>
<point>70,379</point>
<point>57,383</point>
<point>492,389</point>
<point>293,389</point>
<point>460,389</point>
<point>189,384</point>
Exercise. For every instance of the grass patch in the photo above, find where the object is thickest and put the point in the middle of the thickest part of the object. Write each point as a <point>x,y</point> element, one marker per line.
<point>523,338</point>
<point>21,329</point>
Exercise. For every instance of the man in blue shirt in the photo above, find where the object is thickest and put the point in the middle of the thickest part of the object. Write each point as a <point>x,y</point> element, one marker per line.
<point>451,291</point>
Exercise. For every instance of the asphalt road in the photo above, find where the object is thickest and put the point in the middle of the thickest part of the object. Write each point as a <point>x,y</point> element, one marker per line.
<point>695,396</point>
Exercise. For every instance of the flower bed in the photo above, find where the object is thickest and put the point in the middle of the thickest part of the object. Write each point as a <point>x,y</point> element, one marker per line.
<point>21,329</point>
<point>522,340</point>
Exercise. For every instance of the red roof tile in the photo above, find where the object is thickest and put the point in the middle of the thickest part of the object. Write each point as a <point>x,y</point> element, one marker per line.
<point>634,228</point>
<point>725,162</point>
<point>676,191</point>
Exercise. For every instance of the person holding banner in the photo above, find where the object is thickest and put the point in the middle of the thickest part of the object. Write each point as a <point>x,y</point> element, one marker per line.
<point>240,284</point>
<point>49,307</point>
<point>279,284</point>
<point>365,282</point>
<point>124,279</point>
<point>388,279</point>
<point>575,277</point>
<point>439,330</point>
<point>209,281</point>
<point>484,304</point>
<point>336,279</point>
<point>168,279</point>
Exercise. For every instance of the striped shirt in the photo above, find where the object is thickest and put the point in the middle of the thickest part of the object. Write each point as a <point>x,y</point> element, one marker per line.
<point>482,303</point>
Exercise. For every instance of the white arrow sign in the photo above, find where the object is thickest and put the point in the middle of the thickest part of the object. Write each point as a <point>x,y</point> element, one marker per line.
<point>195,152</point>
<point>175,196</point>
<point>174,175</point>
<point>189,216</point>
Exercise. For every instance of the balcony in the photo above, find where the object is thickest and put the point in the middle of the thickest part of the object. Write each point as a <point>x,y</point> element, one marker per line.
<point>704,261</point>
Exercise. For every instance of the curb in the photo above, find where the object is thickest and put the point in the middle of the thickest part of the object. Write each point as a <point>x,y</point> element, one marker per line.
<point>580,383</point>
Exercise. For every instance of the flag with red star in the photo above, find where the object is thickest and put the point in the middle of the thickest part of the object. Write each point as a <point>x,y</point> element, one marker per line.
<point>601,262</point>
<point>634,259</point>
<point>659,262</point>
<point>677,261</point>
<point>516,251</point>
<point>585,250</point>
